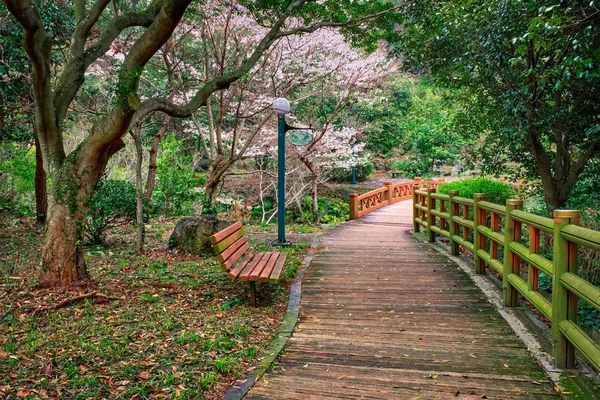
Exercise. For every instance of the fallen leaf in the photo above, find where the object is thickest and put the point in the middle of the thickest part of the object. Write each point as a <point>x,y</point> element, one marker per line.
<point>144,376</point>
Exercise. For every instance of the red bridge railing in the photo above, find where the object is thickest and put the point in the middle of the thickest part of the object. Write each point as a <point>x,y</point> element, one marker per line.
<point>390,193</point>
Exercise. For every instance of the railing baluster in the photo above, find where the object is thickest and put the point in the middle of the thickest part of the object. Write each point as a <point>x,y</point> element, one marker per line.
<point>416,213</point>
<point>512,233</point>
<point>533,274</point>
<point>465,215</point>
<point>479,217</point>
<point>496,227</point>
<point>453,210</point>
<point>353,198</point>
<point>430,216</point>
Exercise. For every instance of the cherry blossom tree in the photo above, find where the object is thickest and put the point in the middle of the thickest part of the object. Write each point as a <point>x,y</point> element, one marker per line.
<point>96,26</point>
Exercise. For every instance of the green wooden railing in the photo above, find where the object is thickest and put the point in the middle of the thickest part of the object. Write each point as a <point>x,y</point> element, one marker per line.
<point>474,224</point>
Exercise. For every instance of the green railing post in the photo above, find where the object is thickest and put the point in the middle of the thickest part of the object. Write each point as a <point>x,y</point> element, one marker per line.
<point>416,226</point>
<point>564,303</point>
<point>430,217</point>
<point>478,239</point>
<point>453,210</point>
<point>511,262</point>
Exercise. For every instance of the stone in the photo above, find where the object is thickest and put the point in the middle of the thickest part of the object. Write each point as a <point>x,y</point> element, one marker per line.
<point>192,234</point>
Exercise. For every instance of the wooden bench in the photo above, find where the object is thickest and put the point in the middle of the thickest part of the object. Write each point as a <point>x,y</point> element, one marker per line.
<point>235,257</point>
<point>396,174</point>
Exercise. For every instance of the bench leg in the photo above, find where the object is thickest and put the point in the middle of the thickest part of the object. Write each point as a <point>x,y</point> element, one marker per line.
<point>252,293</point>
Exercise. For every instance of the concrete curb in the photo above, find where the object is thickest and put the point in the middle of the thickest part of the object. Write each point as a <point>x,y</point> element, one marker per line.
<point>241,387</point>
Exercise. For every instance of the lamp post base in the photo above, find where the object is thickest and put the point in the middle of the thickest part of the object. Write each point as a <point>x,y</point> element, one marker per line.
<point>284,243</point>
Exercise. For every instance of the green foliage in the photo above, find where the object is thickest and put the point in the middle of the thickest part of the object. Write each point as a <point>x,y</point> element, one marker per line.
<point>17,178</point>
<point>331,211</point>
<point>363,171</point>
<point>113,202</point>
<point>413,168</point>
<point>497,192</point>
<point>528,74</point>
<point>177,185</point>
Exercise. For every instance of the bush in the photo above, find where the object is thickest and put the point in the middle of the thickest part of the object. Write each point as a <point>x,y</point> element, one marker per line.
<point>113,202</point>
<point>331,211</point>
<point>177,185</point>
<point>344,175</point>
<point>414,168</point>
<point>497,192</point>
<point>17,179</point>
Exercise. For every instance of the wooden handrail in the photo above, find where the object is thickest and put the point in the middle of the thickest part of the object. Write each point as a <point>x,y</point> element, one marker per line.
<point>469,227</point>
<point>390,193</point>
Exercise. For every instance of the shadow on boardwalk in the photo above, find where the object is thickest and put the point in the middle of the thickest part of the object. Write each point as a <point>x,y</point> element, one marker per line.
<point>385,316</point>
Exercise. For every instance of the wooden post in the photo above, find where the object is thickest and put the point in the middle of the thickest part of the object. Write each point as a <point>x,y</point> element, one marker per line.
<point>418,181</point>
<point>353,200</point>
<point>390,191</point>
<point>430,216</point>
<point>453,210</point>
<point>416,226</point>
<point>252,293</point>
<point>564,303</point>
<point>479,242</point>
<point>512,233</point>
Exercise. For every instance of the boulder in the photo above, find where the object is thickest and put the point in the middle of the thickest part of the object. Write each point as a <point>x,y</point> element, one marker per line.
<point>192,234</point>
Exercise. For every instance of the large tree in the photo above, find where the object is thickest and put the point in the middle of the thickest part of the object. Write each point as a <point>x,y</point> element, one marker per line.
<point>531,73</point>
<point>97,25</point>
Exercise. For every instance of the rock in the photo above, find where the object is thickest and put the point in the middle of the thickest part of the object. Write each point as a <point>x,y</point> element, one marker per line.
<point>192,234</point>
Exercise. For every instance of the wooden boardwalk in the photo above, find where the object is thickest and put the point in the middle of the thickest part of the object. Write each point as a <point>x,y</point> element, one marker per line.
<point>387,317</point>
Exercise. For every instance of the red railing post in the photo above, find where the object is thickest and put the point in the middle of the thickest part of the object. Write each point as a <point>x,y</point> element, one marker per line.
<point>390,191</point>
<point>353,200</point>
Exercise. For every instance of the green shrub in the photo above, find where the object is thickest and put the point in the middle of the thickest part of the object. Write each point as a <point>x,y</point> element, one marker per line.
<point>113,202</point>
<point>344,175</point>
<point>331,211</point>
<point>497,192</point>
<point>413,168</point>
<point>17,178</point>
<point>177,185</point>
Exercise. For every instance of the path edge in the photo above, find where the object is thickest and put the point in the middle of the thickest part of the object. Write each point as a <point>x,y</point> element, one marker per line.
<point>242,386</point>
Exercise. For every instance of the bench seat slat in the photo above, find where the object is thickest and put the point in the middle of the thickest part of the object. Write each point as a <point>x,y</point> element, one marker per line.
<point>217,237</point>
<point>250,267</point>
<point>235,271</point>
<point>259,267</point>
<point>228,241</point>
<point>231,250</point>
<point>274,278</point>
<point>266,272</point>
<point>236,256</point>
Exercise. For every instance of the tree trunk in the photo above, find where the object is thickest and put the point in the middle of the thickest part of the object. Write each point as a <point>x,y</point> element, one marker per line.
<point>139,190</point>
<point>315,196</point>
<point>63,260</point>
<point>153,152</point>
<point>213,179</point>
<point>41,194</point>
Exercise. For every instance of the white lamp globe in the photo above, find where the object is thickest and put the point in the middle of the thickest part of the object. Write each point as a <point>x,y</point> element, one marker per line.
<point>281,106</point>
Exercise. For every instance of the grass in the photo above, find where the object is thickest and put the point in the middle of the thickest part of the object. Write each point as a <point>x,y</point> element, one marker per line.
<point>180,328</point>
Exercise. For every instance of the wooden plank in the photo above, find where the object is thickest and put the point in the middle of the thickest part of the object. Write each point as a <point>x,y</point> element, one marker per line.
<point>274,277</point>
<point>228,241</point>
<point>235,271</point>
<point>224,256</point>
<point>250,266</point>
<point>217,237</point>
<point>264,275</point>
<point>259,267</point>
<point>236,256</point>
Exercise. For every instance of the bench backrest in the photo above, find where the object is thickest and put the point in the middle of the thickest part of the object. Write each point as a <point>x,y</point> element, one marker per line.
<point>230,244</point>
